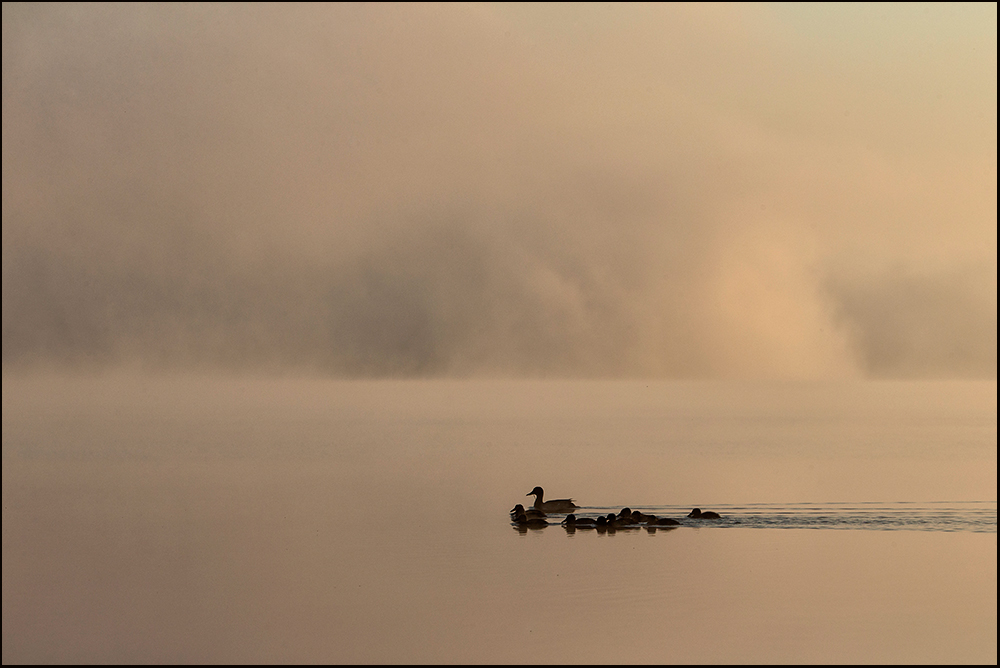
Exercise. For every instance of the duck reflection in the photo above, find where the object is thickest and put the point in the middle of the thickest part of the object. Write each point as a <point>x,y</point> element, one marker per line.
<point>656,528</point>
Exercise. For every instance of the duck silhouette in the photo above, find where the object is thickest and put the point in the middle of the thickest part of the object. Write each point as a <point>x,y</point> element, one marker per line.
<point>698,514</point>
<point>620,522</point>
<point>572,521</point>
<point>522,520</point>
<point>553,506</point>
<point>641,517</point>
<point>625,516</point>
<point>654,521</point>
<point>530,513</point>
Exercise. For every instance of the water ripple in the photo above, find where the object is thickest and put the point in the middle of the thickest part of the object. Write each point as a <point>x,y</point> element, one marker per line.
<point>971,516</point>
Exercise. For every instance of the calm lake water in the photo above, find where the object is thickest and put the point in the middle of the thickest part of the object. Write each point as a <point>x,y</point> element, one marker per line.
<point>195,519</point>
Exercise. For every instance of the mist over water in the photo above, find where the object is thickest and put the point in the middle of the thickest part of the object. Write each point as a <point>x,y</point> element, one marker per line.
<point>492,190</point>
<point>299,300</point>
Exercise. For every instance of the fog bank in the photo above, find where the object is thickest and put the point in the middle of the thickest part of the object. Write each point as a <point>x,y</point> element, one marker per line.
<point>501,190</point>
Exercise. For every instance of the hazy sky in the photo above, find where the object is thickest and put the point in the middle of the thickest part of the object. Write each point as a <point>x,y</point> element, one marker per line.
<point>780,190</point>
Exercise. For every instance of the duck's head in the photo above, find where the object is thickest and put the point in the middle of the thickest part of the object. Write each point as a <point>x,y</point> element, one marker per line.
<point>695,513</point>
<point>535,492</point>
<point>517,509</point>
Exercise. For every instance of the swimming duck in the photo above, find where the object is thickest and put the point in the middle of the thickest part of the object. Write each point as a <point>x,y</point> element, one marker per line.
<point>620,522</point>
<point>625,517</point>
<point>654,521</point>
<point>553,506</point>
<point>522,520</point>
<point>582,522</point>
<point>707,515</point>
<point>641,517</point>
<point>531,513</point>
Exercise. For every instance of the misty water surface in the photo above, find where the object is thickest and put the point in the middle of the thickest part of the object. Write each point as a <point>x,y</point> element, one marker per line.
<point>237,519</point>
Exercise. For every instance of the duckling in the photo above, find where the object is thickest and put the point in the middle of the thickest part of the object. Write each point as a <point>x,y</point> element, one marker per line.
<point>707,515</point>
<point>579,522</point>
<point>625,517</point>
<point>641,518</point>
<point>553,506</point>
<point>654,521</point>
<point>531,513</point>
<point>522,520</point>
<point>615,522</point>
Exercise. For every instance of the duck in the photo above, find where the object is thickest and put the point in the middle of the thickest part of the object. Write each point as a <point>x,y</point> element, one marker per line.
<point>641,517</point>
<point>523,520</point>
<point>625,517</point>
<point>553,506</point>
<point>621,522</point>
<point>582,522</point>
<point>654,521</point>
<point>530,513</point>
<point>706,515</point>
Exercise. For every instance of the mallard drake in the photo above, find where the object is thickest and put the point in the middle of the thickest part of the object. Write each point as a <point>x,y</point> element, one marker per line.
<point>553,506</point>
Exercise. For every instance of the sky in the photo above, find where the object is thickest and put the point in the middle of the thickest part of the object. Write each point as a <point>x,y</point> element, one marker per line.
<point>788,190</point>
